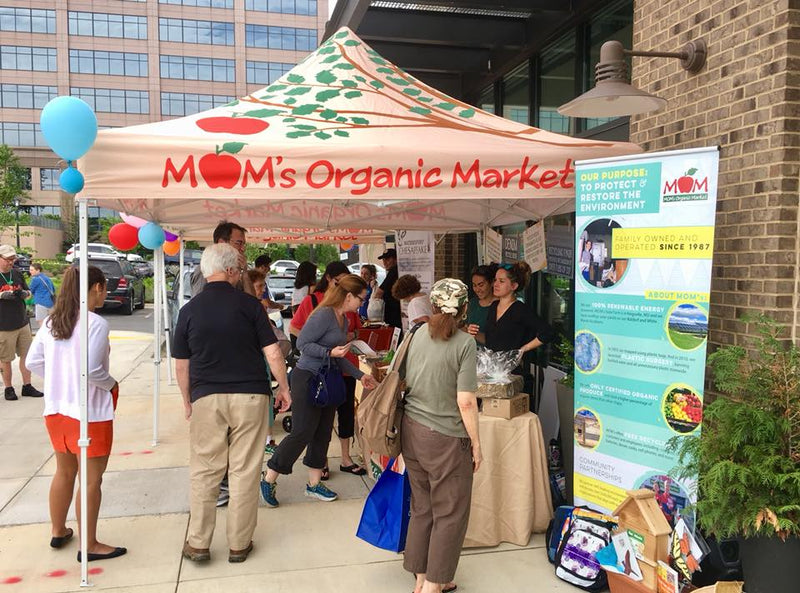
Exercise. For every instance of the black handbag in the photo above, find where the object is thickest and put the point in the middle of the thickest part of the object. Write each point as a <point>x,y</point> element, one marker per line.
<point>326,388</point>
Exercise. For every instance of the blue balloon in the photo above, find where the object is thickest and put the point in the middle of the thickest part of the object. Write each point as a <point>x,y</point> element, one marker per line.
<point>71,180</point>
<point>69,126</point>
<point>151,236</point>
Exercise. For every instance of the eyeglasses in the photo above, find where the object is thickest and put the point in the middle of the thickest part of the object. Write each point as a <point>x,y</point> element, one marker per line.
<point>239,243</point>
<point>359,297</point>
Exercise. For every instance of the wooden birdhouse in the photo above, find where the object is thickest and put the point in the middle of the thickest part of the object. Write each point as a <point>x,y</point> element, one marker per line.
<point>640,516</point>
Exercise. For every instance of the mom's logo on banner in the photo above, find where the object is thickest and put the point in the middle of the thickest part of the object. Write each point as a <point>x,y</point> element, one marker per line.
<point>689,187</point>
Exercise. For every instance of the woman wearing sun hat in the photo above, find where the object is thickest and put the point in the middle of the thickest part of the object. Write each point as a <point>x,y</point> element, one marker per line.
<point>441,446</point>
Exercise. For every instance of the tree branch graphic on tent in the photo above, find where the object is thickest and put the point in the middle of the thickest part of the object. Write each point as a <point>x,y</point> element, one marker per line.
<point>290,99</point>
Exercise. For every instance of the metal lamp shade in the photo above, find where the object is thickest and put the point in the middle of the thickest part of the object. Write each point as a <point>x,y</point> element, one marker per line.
<point>612,98</point>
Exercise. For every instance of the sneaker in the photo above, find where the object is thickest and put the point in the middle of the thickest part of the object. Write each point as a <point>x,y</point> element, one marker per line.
<point>268,493</point>
<point>224,495</point>
<point>270,447</point>
<point>29,390</point>
<point>321,492</point>
<point>11,395</point>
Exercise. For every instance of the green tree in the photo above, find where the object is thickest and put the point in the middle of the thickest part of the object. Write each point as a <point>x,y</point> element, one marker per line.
<point>321,254</point>
<point>13,181</point>
<point>275,251</point>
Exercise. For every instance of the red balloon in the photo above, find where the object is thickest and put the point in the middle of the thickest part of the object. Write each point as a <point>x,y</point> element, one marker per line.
<point>123,236</point>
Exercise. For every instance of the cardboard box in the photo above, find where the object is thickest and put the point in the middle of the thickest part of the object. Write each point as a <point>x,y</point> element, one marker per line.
<point>619,583</point>
<point>507,407</point>
<point>506,390</point>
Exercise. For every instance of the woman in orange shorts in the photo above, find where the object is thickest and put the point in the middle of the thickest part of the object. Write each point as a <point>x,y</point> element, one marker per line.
<point>55,355</point>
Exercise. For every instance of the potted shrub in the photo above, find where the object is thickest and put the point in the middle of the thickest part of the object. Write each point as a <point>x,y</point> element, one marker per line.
<point>747,458</point>
<point>565,393</point>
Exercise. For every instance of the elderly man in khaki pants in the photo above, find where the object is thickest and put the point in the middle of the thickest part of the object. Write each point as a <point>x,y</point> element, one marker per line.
<point>221,340</point>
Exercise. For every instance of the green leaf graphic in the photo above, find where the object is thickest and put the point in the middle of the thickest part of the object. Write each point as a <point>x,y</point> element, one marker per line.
<point>352,43</point>
<point>288,120</point>
<point>466,113</point>
<point>233,147</point>
<point>233,103</point>
<point>420,110</point>
<point>330,59</point>
<point>691,171</point>
<point>425,99</point>
<point>377,84</point>
<point>295,78</point>
<point>341,119</point>
<point>397,81</point>
<point>352,94</point>
<point>305,109</point>
<point>298,90</point>
<point>326,50</point>
<point>360,78</point>
<point>360,120</point>
<point>322,135</point>
<point>276,87</point>
<point>340,35</point>
<point>350,84</point>
<point>325,95</point>
<point>344,66</point>
<point>446,106</point>
<point>304,127</point>
<point>380,61</point>
<point>290,101</point>
<point>326,77</point>
<point>263,112</point>
<point>385,70</point>
<point>412,91</point>
<point>342,133</point>
<point>297,134</point>
<point>328,114</point>
<point>266,97</point>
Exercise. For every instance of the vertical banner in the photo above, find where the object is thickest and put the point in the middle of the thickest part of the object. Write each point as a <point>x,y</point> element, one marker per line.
<point>560,241</point>
<point>644,241</point>
<point>533,247</point>
<point>415,255</point>
<point>511,248</point>
<point>492,246</point>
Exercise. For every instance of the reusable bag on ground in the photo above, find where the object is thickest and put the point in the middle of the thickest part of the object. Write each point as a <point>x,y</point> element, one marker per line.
<point>384,520</point>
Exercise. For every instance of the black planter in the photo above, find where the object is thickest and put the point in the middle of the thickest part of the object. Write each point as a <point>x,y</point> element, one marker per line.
<point>770,565</point>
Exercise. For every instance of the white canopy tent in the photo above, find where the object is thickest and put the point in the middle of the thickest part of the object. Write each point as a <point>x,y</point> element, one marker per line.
<point>345,146</point>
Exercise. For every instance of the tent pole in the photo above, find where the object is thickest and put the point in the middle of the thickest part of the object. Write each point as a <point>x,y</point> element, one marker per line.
<point>157,261</point>
<point>83,329</point>
<point>170,378</point>
<point>180,273</point>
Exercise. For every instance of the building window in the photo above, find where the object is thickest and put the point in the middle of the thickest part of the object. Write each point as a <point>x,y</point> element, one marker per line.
<point>301,7</point>
<point>186,31</point>
<point>48,179</point>
<point>113,63</point>
<point>100,24</point>
<point>557,84</point>
<point>17,57</point>
<point>192,68</point>
<point>486,100</point>
<point>190,103</point>
<point>266,72</point>
<point>517,94</point>
<point>114,100</point>
<point>201,3</point>
<point>287,38</point>
<point>21,134</point>
<point>26,96</point>
<point>27,20</point>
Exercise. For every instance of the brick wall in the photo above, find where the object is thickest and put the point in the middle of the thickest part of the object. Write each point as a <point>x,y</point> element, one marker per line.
<point>449,257</point>
<point>747,101</point>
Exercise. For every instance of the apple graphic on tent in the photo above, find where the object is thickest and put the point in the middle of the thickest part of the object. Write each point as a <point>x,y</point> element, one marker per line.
<point>232,125</point>
<point>222,170</point>
<point>686,183</point>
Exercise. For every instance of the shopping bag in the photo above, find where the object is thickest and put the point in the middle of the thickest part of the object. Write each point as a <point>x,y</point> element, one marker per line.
<point>384,520</point>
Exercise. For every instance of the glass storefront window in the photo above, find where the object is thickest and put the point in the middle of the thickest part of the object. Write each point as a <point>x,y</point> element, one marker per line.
<point>486,100</point>
<point>557,82</point>
<point>517,94</point>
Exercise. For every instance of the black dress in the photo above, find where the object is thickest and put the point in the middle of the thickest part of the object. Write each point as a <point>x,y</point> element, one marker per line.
<point>518,326</point>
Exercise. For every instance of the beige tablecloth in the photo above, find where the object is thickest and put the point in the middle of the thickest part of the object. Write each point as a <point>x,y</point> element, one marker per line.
<point>511,491</point>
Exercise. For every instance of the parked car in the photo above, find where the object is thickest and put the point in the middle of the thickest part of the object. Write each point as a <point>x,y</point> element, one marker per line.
<point>125,287</point>
<point>191,257</point>
<point>281,288</point>
<point>285,267</point>
<point>23,263</point>
<point>140,265</point>
<point>93,248</point>
<point>356,269</point>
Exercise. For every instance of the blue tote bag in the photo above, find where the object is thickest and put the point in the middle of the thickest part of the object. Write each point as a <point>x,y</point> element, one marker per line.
<point>384,520</point>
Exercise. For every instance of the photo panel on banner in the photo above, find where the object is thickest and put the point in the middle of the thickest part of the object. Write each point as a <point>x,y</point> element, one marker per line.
<point>643,254</point>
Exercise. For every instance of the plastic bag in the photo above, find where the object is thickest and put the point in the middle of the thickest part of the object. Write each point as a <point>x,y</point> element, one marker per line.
<point>495,367</point>
<point>375,309</point>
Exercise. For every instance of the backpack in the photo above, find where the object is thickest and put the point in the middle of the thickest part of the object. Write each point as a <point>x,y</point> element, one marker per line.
<point>584,534</point>
<point>555,531</point>
<point>380,414</point>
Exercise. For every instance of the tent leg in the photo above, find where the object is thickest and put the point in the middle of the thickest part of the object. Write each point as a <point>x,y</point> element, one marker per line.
<point>157,279</point>
<point>83,329</point>
<point>165,309</point>
<point>181,262</point>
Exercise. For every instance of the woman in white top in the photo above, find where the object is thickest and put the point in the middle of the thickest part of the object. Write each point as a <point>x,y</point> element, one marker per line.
<point>304,282</point>
<point>55,355</point>
<point>408,290</point>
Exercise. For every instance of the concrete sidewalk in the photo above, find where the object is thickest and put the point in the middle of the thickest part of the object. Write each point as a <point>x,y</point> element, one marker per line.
<point>302,546</point>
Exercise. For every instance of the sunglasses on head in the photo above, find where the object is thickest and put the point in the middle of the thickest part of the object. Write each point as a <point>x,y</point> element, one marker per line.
<point>507,266</point>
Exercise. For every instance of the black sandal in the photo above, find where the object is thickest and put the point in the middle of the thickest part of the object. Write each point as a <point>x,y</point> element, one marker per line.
<point>354,469</point>
<point>60,542</point>
<point>326,474</point>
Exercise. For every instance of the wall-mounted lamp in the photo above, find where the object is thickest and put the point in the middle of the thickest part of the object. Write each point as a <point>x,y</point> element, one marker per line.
<point>613,95</point>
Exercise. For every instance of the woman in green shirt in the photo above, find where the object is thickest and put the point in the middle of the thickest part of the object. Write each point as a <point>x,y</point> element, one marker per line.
<point>482,281</point>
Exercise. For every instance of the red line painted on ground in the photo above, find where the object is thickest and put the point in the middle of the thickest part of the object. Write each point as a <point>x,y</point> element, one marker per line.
<point>95,571</point>
<point>56,573</point>
<point>126,453</point>
<point>147,452</point>
<point>11,580</point>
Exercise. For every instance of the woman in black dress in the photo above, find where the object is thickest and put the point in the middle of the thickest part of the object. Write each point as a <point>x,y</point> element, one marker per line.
<point>511,324</point>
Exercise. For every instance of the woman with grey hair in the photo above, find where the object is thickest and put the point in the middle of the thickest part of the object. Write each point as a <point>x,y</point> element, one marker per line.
<point>221,340</point>
<point>441,446</point>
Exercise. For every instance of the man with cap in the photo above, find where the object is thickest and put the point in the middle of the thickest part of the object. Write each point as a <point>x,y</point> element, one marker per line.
<point>15,330</point>
<point>391,306</point>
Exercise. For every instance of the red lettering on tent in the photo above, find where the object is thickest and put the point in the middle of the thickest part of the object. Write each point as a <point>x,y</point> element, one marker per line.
<point>464,176</point>
<point>266,169</point>
<point>187,167</point>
